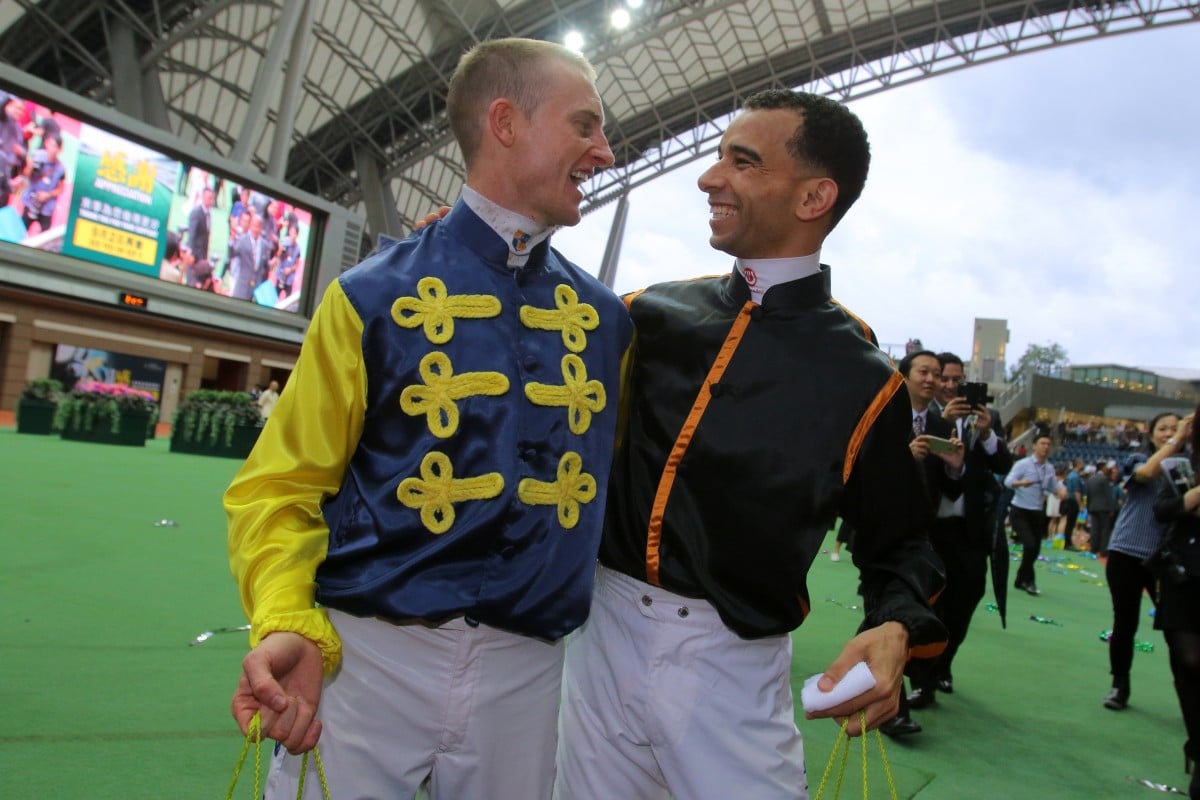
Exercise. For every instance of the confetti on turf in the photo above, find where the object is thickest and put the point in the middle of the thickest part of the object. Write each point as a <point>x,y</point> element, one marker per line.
<point>837,602</point>
<point>204,637</point>
<point>1158,787</point>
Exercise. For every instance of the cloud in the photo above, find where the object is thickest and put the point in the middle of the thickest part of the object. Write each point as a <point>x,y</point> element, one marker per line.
<point>1056,190</point>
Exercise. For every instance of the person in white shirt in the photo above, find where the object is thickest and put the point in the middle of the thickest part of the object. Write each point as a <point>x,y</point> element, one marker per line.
<point>268,399</point>
<point>1031,479</point>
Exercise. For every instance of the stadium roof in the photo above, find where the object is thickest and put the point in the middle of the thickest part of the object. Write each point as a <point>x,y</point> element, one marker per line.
<point>363,124</point>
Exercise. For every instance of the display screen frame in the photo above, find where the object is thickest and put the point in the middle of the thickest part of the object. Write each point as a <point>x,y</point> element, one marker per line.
<point>94,193</point>
<point>334,241</point>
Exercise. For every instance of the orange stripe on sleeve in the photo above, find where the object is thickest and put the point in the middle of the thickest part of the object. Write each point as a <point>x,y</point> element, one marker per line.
<point>927,650</point>
<point>629,298</point>
<point>667,480</point>
<point>881,400</point>
<point>867,332</point>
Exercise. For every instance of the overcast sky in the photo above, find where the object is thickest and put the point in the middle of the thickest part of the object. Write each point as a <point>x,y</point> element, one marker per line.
<point>1058,190</point>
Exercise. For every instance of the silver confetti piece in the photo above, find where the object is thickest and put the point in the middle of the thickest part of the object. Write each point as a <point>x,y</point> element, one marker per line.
<point>1158,787</point>
<point>204,637</point>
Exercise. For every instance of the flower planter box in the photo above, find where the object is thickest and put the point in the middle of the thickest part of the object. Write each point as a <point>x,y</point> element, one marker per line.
<point>131,431</point>
<point>216,423</point>
<point>35,417</point>
<point>244,437</point>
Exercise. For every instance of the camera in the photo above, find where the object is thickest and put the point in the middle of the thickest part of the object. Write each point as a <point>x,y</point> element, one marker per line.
<point>975,393</point>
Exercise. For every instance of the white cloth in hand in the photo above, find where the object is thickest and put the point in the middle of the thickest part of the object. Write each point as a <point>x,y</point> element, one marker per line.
<point>858,680</point>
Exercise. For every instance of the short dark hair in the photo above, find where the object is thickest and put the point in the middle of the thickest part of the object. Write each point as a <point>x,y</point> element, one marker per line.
<point>948,358</point>
<point>830,138</point>
<point>905,365</point>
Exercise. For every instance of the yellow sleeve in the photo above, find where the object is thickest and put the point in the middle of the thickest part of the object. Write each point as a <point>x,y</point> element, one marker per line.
<point>277,534</point>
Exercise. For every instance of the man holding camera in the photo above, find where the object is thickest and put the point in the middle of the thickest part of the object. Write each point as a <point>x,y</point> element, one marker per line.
<point>939,454</point>
<point>962,532</point>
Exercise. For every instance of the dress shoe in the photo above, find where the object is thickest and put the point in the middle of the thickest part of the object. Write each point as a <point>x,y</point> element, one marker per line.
<point>945,685</point>
<point>900,725</point>
<point>1031,588</point>
<point>1116,699</point>
<point>921,697</point>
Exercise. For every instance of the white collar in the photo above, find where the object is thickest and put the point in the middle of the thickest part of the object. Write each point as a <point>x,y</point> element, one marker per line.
<point>521,233</point>
<point>763,273</point>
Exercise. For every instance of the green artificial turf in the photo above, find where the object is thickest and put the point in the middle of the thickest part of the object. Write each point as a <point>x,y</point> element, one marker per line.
<point>1025,719</point>
<point>101,695</point>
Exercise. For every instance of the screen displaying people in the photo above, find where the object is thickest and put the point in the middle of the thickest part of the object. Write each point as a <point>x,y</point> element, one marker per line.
<point>71,187</point>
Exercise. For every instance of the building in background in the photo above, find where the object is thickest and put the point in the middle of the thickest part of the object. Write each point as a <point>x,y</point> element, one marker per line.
<point>988,350</point>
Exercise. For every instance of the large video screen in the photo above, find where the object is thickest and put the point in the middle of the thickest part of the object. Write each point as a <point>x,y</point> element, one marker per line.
<point>72,187</point>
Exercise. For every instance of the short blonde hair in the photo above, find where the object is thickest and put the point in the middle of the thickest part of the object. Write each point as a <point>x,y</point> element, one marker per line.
<point>513,68</point>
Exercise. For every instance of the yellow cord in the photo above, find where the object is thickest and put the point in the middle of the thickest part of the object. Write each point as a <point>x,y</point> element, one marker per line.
<point>254,735</point>
<point>841,756</point>
<point>887,770</point>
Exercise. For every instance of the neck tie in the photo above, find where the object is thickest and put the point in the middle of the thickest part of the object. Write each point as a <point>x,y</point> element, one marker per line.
<point>918,425</point>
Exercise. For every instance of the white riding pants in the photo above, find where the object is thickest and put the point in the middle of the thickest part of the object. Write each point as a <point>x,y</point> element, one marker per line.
<point>472,710</point>
<point>661,699</point>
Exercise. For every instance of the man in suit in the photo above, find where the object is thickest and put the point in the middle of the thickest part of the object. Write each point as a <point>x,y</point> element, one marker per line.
<point>941,468</point>
<point>200,225</point>
<point>962,532</point>
<point>1101,507</point>
<point>251,254</point>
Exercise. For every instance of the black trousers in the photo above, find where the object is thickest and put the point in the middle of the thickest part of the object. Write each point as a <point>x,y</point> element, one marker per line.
<point>1127,581</point>
<point>1178,618</point>
<point>966,582</point>
<point>1102,524</point>
<point>1070,510</point>
<point>1184,647</point>
<point>1030,526</point>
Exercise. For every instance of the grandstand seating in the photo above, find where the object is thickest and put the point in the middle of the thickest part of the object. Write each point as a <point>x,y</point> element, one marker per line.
<point>1090,452</point>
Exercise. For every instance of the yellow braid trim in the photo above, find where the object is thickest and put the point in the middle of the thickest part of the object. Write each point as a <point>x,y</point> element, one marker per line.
<point>434,308</point>
<point>436,397</point>
<point>572,488</point>
<point>581,397</point>
<point>568,315</point>
<point>436,491</point>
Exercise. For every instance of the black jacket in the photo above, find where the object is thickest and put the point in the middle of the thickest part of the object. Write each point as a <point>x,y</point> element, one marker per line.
<point>747,430</point>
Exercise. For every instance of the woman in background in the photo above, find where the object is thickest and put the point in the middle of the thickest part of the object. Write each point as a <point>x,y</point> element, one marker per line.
<point>1055,522</point>
<point>1135,536</point>
<point>1178,615</point>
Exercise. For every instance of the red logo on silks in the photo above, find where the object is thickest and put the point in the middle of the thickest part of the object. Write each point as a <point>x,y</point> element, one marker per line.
<point>749,275</point>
